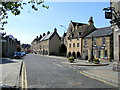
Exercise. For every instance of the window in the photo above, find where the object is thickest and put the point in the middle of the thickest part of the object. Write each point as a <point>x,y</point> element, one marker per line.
<point>85,42</point>
<point>103,40</point>
<point>79,33</point>
<point>73,44</point>
<point>94,41</point>
<point>105,54</point>
<point>69,45</point>
<point>78,44</point>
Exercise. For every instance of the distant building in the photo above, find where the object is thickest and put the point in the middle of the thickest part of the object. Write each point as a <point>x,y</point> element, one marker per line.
<point>9,45</point>
<point>48,44</point>
<point>26,48</point>
<point>76,31</point>
<point>99,43</point>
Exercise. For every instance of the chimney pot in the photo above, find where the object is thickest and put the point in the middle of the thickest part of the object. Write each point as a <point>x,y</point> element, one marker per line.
<point>48,32</point>
<point>44,34</point>
<point>90,21</point>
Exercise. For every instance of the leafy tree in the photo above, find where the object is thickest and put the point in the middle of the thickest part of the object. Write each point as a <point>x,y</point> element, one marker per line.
<point>62,50</point>
<point>15,7</point>
<point>18,49</point>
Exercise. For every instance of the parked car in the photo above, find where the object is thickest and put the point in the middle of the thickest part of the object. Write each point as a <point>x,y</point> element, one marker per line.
<point>17,55</point>
<point>23,53</point>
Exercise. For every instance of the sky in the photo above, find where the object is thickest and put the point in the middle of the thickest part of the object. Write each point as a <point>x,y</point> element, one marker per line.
<point>30,23</point>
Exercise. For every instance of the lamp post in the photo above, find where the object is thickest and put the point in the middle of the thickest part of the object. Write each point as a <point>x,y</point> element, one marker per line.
<point>64,39</point>
<point>64,35</point>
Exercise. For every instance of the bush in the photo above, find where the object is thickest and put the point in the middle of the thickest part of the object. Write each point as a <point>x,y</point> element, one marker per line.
<point>71,59</point>
<point>96,60</point>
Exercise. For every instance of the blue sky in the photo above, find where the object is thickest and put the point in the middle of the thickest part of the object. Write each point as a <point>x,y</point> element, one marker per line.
<point>30,23</point>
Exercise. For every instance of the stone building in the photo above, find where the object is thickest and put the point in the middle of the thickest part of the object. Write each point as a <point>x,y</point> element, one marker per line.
<point>99,44</point>
<point>76,31</point>
<point>26,48</point>
<point>34,45</point>
<point>63,39</point>
<point>48,44</point>
<point>115,21</point>
<point>9,45</point>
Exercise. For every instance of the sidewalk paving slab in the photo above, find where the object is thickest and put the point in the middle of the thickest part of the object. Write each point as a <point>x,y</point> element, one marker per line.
<point>10,68</point>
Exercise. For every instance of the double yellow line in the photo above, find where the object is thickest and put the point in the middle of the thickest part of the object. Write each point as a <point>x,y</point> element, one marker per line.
<point>24,84</point>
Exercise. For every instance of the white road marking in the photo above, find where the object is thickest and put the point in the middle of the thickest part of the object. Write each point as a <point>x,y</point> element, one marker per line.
<point>58,65</point>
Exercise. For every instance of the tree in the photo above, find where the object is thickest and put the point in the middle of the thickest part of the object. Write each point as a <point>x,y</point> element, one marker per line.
<point>18,49</point>
<point>15,7</point>
<point>62,50</point>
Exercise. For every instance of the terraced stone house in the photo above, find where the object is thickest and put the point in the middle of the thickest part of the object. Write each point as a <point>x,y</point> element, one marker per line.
<point>48,44</point>
<point>99,44</point>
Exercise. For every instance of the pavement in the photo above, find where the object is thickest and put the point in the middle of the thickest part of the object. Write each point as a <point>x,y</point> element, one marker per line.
<point>10,72</point>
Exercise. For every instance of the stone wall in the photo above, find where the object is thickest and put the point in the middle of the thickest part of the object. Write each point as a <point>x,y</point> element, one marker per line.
<point>54,44</point>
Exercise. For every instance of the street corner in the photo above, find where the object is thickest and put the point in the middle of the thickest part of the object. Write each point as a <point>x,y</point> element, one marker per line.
<point>99,78</point>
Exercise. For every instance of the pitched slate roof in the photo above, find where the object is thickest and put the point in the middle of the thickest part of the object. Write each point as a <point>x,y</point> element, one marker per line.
<point>101,32</point>
<point>46,37</point>
<point>77,23</point>
<point>81,29</point>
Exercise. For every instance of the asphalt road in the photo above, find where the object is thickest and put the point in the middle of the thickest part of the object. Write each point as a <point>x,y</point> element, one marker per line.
<point>48,72</point>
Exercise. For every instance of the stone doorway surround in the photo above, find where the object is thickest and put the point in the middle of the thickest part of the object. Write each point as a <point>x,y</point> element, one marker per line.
<point>119,47</point>
<point>116,63</point>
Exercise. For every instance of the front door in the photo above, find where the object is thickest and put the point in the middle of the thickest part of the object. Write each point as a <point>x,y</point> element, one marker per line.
<point>98,54</point>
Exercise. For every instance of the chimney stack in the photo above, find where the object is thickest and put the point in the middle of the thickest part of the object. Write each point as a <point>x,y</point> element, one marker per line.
<point>90,22</point>
<point>44,34</point>
<point>48,32</point>
<point>40,36</point>
<point>36,36</point>
<point>55,30</point>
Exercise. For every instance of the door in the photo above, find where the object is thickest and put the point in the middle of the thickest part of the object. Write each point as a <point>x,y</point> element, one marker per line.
<point>99,54</point>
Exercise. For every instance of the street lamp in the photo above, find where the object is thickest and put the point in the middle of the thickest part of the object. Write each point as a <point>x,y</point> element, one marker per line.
<point>63,27</point>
